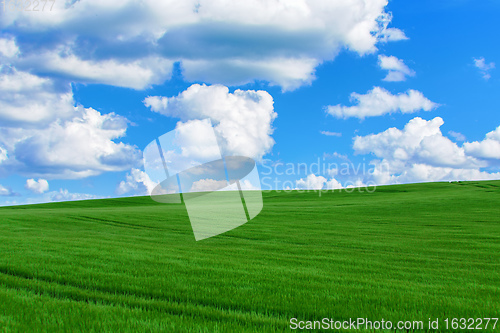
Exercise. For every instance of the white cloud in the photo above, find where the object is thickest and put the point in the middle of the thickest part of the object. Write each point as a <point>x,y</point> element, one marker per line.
<point>398,71</point>
<point>8,47</point>
<point>64,195</point>
<point>198,143</point>
<point>457,136</point>
<point>242,119</point>
<point>75,148</point>
<point>6,192</point>
<point>333,184</point>
<point>356,183</point>
<point>419,141</point>
<point>392,35</point>
<point>135,74</point>
<point>136,181</point>
<point>483,67</point>
<point>328,133</point>
<point>311,182</point>
<point>378,102</point>
<point>489,148</point>
<point>219,41</point>
<point>421,172</point>
<point>208,185</point>
<point>290,74</point>
<point>53,196</point>
<point>37,186</point>
<point>246,185</point>
<point>386,34</point>
<point>29,100</point>
<point>419,153</point>
<point>3,155</point>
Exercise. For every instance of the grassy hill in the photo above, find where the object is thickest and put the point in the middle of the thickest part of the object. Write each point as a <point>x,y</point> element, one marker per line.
<point>406,252</point>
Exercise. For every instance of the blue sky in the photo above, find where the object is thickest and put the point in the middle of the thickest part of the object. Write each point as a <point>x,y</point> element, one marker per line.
<point>406,91</point>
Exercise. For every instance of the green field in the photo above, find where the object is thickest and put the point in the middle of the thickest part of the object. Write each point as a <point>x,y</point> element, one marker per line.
<point>406,252</point>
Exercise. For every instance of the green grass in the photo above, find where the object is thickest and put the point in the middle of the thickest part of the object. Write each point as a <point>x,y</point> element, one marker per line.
<point>407,252</point>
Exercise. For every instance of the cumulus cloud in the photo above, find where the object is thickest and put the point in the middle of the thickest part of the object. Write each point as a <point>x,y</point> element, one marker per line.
<point>242,119</point>
<point>419,153</point>
<point>489,148</point>
<point>483,67</point>
<point>136,181</point>
<point>398,71</point>
<point>79,147</point>
<point>378,102</point>
<point>333,184</point>
<point>37,186</point>
<point>311,182</point>
<point>224,42</point>
<point>420,140</point>
<point>29,100</point>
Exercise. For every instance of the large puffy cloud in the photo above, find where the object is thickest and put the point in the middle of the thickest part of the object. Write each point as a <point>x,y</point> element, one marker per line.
<point>378,102</point>
<point>242,119</point>
<point>81,146</point>
<point>42,133</point>
<point>398,71</point>
<point>489,148</point>
<point>278,41</point>
<point>37,186</point>
<point>420,140</point>
<point>418,153</point>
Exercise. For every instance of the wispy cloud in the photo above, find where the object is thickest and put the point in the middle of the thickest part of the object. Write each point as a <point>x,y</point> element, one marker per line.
<point>6,192</point>
<point>328,133</point>
<point>457,136</point>
<point>483,67</point>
